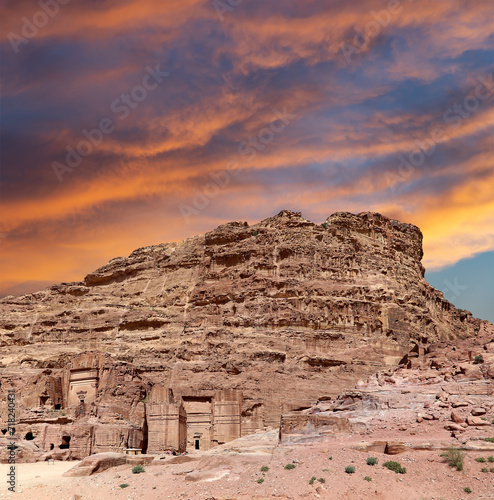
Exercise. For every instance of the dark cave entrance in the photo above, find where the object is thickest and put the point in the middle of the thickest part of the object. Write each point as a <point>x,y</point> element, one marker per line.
<point>65,443</point>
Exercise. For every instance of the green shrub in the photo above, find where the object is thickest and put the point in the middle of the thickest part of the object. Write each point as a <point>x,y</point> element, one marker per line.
<point>478,359</point>
<point>264,468</point>
<point>124,485</point>
<point>489,440</point>
<point>455,457</point>
<point>312,479</point>
<point>481,460</point>
<point>484,469</point>
<point>330,458</point>
<point>349,469</point>
<point>290,466</point>
<point>322,480</point>
<point>467,490</point>
<point>137,469</point>
<point>490,459</point>
<point>260,480</point>
<point>491,469</point>
<point>372,461</point>
<point>395,467</point>
<point>367,478</point>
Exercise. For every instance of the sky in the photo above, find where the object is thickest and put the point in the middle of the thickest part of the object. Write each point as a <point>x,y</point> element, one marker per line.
<point>127,123</point>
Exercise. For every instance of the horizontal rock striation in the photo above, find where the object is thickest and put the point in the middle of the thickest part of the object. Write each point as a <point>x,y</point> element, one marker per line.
<point>285,310</point>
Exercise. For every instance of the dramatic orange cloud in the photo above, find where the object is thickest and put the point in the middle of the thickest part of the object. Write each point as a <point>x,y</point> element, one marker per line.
<point>313,106</point>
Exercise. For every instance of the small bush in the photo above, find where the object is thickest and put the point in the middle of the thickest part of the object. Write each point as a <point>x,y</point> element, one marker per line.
<point>349,469</point>
<point>322,480</point>
<point>372,461</point>
<point>330,458</point>
<point>290,466</point>
<point>260,480</point>
<point>491,469</point>
<point>264,468</point>
<point>137,469</point>
<point>367,478</point>
<point>325,470</point>
<point>312,479</point>
<point>481,460</point>
<point>478,359</point>
<point>489,440</point>
<point>455,457</point>
<point>484,469</point>
<point>467,490</point>
<point>395,467</point>
<point>490,459</point>
<point>124,485</point>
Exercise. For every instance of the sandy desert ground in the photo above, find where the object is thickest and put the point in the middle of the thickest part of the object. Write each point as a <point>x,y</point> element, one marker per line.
<point>233,472</point>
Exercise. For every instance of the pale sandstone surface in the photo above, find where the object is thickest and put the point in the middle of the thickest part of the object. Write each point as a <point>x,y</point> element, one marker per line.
<point>233,474</point>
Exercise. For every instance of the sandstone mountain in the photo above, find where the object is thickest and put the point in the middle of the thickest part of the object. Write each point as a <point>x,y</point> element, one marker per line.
<point>286,311</point>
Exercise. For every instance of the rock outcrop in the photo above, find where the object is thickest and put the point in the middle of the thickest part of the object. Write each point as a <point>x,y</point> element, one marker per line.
<point>449,385</point>
<point>284,311</point>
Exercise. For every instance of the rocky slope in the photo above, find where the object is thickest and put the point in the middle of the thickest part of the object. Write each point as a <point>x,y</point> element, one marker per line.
<point>286,310</point>
<point>448,385</point>
<point>442,396</point>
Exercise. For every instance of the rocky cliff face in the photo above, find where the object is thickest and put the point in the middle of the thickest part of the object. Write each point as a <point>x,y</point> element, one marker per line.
<point>450,383</point>
<point>285,310</point>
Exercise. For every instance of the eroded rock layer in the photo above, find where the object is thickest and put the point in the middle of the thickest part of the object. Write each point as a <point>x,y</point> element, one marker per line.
<point>285,311</point>
<point>447,383</point>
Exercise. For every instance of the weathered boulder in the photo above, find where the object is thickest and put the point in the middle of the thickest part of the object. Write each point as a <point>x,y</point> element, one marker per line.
<point>477,421</point>
<point>396,447</point>
<point>455,417</point>
<point>96,463</point>
<point>477,412</point>
<point>454,427</point>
